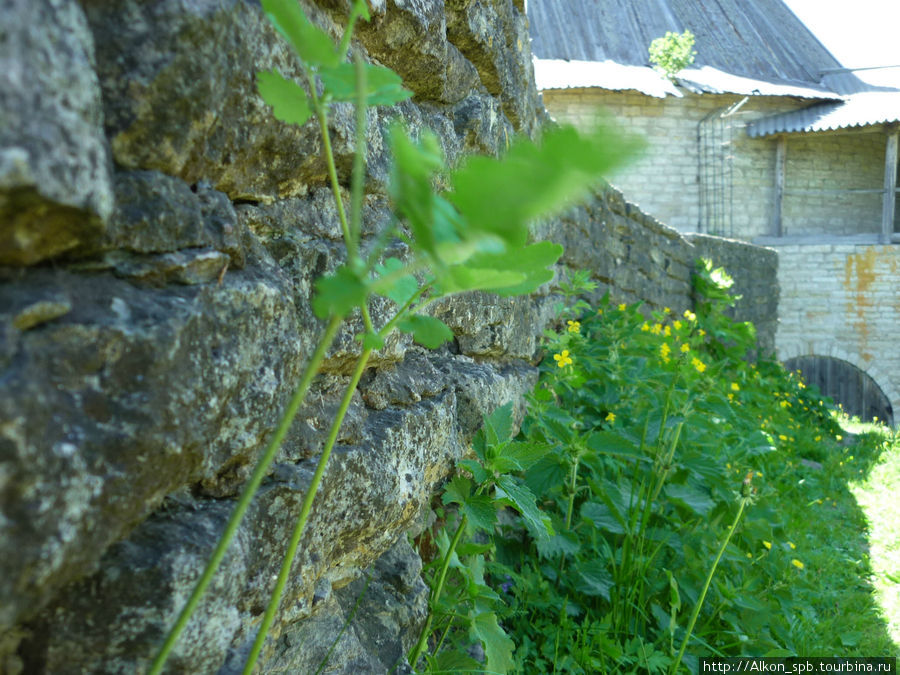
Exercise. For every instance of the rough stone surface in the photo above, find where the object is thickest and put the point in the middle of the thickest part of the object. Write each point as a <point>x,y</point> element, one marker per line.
<point>55,190</point>
<point>144,367</point>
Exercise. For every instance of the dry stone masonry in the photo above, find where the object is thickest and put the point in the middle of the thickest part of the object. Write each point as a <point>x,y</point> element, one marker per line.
<point>160,232</point>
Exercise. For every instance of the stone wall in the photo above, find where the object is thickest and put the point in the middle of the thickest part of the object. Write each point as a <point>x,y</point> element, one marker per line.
<point>851,312</point>
<point>160,232</point>
<point>666,180</point>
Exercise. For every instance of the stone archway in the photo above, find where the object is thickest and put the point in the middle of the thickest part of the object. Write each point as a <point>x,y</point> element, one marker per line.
<point>857,391</point>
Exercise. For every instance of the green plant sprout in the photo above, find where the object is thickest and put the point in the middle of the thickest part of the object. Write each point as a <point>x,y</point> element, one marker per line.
<point>474,237</point>
<point>672,53</point>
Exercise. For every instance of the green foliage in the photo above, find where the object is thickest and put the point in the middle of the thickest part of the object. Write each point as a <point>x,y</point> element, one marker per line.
<point>668,471</point>
<point>673,52</point>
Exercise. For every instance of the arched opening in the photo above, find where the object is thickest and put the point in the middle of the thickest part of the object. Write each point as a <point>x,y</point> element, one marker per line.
<point>854,389</point>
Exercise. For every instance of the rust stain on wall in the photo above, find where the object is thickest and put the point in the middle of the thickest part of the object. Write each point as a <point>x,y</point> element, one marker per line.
<point>859,275</point>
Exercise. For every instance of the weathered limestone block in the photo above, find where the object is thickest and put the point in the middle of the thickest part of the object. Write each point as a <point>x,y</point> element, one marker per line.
<point>180,96</point>
<point>122,395</point>
<point>370,492</point>
<point>392,607</point>
<point>410,37</point>
<point>493,35</point>
<point>55,190</point>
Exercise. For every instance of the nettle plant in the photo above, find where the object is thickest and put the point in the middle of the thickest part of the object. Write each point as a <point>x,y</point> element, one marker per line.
<point>475,236</point>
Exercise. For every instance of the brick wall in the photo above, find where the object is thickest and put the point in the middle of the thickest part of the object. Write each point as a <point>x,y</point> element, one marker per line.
<point>666,182</point>
<point>851,312</point>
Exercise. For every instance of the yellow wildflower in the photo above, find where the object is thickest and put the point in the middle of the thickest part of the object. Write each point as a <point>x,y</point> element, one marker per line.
<point>749,555</point>
<point>623,307</point>
<point>782,437</point>
<point>645,327</point>
<point>702,332</point>
<point>610,417</point>
<point>792,545</point>
<point>796,563</point>
<point>668,331</point>
<point>685,348</point>
<point>730,396</point>
<point>767,544</point>
<point>698,364</point>
<point>677,324</point>
<point>689,315</point>
<point>735,386</point>
<point>667,310</point>
<point>563,359</point>
<point>657,329</point>
<point>574,326</point>
<point>664,351</point>
<point>784,404</point>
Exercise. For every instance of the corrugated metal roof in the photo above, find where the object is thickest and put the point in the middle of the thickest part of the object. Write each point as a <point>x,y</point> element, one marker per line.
<point>760,40</point>
<point>859,110</point>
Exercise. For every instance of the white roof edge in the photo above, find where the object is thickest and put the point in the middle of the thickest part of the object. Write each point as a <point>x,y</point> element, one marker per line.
<point>561,74</point>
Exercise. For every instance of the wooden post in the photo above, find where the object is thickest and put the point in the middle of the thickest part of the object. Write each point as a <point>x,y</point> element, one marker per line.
<point>777,228</point>
<point>890,186</point>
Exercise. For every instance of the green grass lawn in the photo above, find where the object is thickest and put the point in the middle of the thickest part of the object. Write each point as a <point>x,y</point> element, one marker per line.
<point>876,488</point>
<point>844,519</point>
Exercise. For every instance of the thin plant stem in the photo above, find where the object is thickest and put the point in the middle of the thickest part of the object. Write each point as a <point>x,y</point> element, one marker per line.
<point>357,180</point>
<point>322,116</point>
<point>259,472</point>
<point>305,508</point>
<point>712,571</point>
<point>416,651</point>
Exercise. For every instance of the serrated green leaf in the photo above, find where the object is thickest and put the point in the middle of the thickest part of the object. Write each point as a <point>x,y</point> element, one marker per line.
<point>602,517</point>
<point>312,44</point>
<point>614,444</point>
<point>503,196</point>
<point>524,454</point>
<point>339,293</point>
<point>457,490</point>
<point>481,512</point>
<point>548,473</point>
<point>452,661</point>
<point>693,498</point>
<point>477,471</point>
<point>498,425</point>
<point>561,543</point>
<point>383,85</point>
<point>426,330</point>
<point>287,98</point>
<point>593,578</point>
<point>498,647</point>
<point>403,288</point>
<point>520,498</point>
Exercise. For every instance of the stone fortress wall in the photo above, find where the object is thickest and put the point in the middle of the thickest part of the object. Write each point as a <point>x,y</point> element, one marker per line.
<point>159,235</point>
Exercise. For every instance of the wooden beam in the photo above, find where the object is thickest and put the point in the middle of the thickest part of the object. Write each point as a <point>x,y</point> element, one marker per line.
<point>777,228</point>
<point>890,186</point>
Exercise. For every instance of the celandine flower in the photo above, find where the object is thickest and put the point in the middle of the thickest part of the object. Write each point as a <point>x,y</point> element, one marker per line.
<point>767,544</point>
<point>685,348</point>
<point>563,359</point>
<point>735,386</point>
<point>623,307</point>
<point>610,417</point>
<point>574,326</point>
<point>796,563</point>
<point>698,364</point>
